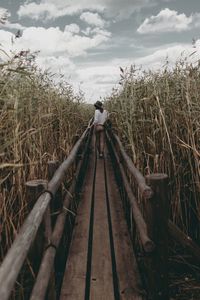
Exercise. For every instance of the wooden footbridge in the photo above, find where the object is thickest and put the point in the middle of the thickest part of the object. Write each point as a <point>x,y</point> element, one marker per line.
<point>102,237</point>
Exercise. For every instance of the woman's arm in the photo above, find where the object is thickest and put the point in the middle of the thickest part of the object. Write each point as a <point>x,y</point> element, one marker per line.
<point>95,117</point>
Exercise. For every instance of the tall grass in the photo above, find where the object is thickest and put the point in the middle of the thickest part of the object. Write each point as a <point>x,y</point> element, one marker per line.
<point>157,115</point>
<point>37,123</point>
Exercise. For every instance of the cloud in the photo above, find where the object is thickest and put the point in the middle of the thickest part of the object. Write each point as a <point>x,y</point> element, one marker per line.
<point>51,9</point>
<point>57,65</point>
<point>48,10</point>
<point>4,15</point>
<point>73,28</point>
<point>167,20</point>
<point>93,19</point>
<point>53,41</point>
<point>4,23</point>
<point>87,31</point>
<point>101,32</point>
<point>6,40</point>
<point>171,53</point>
<point>98,80</point>
<point>14,26</point>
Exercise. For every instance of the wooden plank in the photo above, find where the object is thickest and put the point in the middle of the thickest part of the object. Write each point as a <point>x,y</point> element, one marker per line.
<point>73,287</point>
<point>129,283</point>
<point>101,283</point>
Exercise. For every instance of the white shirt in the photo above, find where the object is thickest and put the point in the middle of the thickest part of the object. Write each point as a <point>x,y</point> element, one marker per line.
<point>100,117</point>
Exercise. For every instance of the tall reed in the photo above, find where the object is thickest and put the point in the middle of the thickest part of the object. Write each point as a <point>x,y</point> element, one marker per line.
<point>37,123</point>
<point>157,115</point>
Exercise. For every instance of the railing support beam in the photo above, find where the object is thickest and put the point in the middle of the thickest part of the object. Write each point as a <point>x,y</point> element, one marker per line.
<point>157,213</point>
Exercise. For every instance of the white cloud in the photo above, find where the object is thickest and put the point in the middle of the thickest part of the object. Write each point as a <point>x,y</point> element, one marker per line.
<point>93,19</point>
<point>98,80</point>
<point>172,53</point>
<point>101,32</point>
<point>87,31</point>
<point>14,26</point>
<point>73,28</point>
<point>51,9</point>
<point>4,15</point>
<point>4,23</point>
<point>5,42</point>
<point>56,65</point>
<point>53,41</point>
<point>167,20</point>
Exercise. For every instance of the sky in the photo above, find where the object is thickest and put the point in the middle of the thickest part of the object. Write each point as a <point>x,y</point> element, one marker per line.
<point>88,41</point>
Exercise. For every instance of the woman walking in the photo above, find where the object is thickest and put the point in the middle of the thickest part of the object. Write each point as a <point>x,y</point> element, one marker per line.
<point>100,117</point>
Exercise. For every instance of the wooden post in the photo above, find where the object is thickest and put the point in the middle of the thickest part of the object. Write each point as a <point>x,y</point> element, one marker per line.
<point>52,167</point>
<point>33,190</point>
<point>56,204</point>
<point>157,213</point>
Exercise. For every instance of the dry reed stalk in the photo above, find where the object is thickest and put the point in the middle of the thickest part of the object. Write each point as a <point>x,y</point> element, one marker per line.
<point>37,123</point>
<point>157,117</point>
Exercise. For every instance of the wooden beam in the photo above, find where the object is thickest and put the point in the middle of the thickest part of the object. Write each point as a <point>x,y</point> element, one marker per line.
<point>145,190</point>
<point>157,214</point>
<point>147,243</point>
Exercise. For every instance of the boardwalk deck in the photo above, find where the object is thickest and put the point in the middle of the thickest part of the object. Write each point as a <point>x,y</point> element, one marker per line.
<point>101,264</point>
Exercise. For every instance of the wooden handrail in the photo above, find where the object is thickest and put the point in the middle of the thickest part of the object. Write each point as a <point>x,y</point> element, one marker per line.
<point>43,277</point>
<point>147,243</point>
<point>17,254</point>
<point>153,227</point>
<point>145,190</point>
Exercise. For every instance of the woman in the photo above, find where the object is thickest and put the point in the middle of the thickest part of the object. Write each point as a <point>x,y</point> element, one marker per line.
<point>100,117</point>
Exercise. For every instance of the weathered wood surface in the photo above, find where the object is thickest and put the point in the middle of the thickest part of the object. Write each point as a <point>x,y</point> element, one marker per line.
<point>129,282</point>
<point>74,282</point>
<point>108,257</point>
<point>157,214</point>
<point>145,190</point>
<point>147,244</point>
<point>101,282</point>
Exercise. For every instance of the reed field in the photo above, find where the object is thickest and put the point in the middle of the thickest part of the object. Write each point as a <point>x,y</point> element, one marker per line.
<point>157,115</point>
<point>38,122</point>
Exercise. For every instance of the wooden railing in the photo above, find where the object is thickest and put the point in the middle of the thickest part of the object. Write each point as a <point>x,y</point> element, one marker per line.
<point>147,205</point>
<point>152,224</point>
<point>18,252</point>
